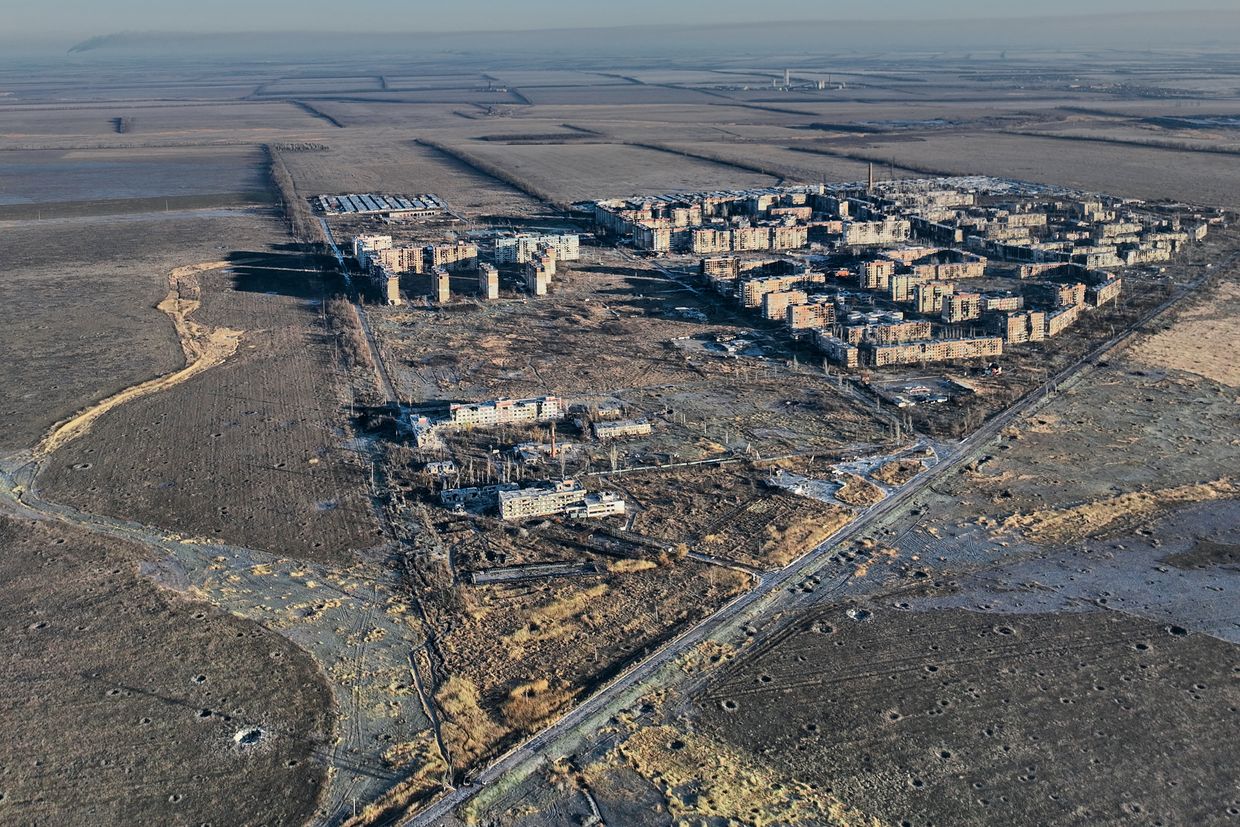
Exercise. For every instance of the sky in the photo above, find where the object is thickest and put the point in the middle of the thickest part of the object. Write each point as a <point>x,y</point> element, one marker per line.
<point>61,19</point>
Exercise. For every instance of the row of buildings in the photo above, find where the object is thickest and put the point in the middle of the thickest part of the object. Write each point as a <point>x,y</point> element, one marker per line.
<point>993,263</point>
<point>986,217</point>
<point>784,218</point>
<point>386,261</point>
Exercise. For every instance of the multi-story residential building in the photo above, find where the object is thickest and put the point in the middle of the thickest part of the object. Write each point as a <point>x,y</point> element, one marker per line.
<point>813,314</point>
<point>488,281</point>
<point>775,304</point>
<point>876,274</point>
<point>1060,320</point>
<point>519,249</point>
<point>961,307</point>
<point>407,258</point>
<point>365,245</point>
<point>566,497</point>
<point>458,255</point>
<point>936,350</point>
<point>505,411</point>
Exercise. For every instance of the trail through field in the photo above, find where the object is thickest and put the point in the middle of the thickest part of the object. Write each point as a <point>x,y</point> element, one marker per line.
<point>204,347</point>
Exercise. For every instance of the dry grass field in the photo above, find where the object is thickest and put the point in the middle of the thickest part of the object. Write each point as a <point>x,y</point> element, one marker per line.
<point>252,451</point>
<point>405,168</point>
<point>1200,342</point>
<point>125,704</point>
<point>524,653</point>
<point>77,307</point>
<point>151,122</point>
<point>1132,171</point>
<point>958,716</point>
<point>573,172</point>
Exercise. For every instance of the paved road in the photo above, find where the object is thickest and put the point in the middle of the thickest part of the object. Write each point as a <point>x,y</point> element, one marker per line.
<point>771,587</point>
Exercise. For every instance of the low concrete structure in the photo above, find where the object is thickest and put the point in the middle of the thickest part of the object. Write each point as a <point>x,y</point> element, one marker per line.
<point>481,497</point>
<point>621,428</point>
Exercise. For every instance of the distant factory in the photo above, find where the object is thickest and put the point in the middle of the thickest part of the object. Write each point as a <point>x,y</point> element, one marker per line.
<point>387,206</point>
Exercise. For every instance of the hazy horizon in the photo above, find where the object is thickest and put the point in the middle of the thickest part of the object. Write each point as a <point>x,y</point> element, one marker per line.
<point>1090,26</point>
<point>72,20</point>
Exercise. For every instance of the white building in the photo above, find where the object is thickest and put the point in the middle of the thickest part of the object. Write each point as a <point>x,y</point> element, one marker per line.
<point>504,411</point>
<point>566,497</point>
<point>520,249</point>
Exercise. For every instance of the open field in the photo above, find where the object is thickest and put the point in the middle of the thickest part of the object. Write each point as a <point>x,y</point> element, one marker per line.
<point>223,176</point>
<point>579,172</point>
<point>252,451</point>
<point>80,307</point>
<point>150,122</point>
<point>969,718</point>
<point>1200,341</point>
<point>403,168</point>
<point>1125,170</point>
<point>132,705</point>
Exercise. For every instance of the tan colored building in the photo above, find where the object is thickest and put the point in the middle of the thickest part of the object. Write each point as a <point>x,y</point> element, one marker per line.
<point>1000,304</point>
<point>902,286</point>
<point>442,284</point>
<point>753,290</point>
<point>789,237</point>
<point>775,305</point>
<point>889,333</point>
<point>566,497</point>
<point>937,350</point>
<point>928,297</point>
<point>707,240</point>
<point>1024,326</point>
<point>1068,295</point>
<point>407,258</point>
<point>961,307</point>
<point>459,255</point>
<point>618,428</point>
<point>391,290</point>
<point>751,238</point>
<point>811,315</point>
<point>1100,294</point>
<point>876,275</point>
<point>721,267</point>
<point>538,272</point>
<point>837,350</point>
<point>488,281</point>
<point>1060,320</point>
<point>505,411</point>
<point>875,233</point>
<point>951,270</point>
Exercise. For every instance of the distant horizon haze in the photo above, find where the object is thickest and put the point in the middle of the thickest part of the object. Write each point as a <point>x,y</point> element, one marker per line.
<point>64,20</point>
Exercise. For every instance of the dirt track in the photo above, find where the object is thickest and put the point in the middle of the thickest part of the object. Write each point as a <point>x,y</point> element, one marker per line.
<point>204,347</point>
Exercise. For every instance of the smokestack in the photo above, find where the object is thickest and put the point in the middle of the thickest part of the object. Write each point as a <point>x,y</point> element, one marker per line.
<point>870,188</point>
<point>787,78</point>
